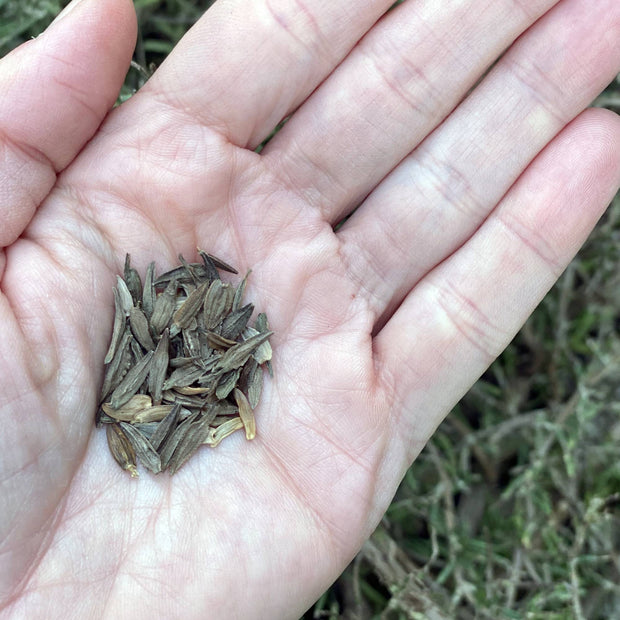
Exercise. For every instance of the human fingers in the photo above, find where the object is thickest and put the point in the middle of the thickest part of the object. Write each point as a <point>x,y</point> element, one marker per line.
<point>464,312</point>
<point>56,89</point>
<point>438,196</point>
<point>245,66</point>
<point>396,86</point>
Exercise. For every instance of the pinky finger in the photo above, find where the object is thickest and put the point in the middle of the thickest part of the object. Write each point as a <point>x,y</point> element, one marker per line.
<point>455,322</point>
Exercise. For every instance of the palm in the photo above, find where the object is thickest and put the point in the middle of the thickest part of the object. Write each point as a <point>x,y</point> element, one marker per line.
<point>357,391</point>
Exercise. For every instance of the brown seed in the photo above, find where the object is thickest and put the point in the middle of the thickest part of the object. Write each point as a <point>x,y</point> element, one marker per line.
<point>217,262</point>
<point>252,379</point>
<point>180,274</point>
<point>191,306</point>
<point>236,321</point>
<point>159,367</point>
<point>246,414</point>
<point>195,436</point>
<point>182,377</point>
<point>121,449</point>
<point>124,295</point>
<point>227,383</point>
<point>239,291</point>
<point>216,341</point>
<point>163,309</point>
<point>132,279</point>
<point>118,366</point>
<point>148,293</point>
<point>131,382</point>
<point>142,447</point>
<point>167,448</point>
<point>215,304</point>
<point>140,328</point>
<point>165,426</point>
<point>238,355</point>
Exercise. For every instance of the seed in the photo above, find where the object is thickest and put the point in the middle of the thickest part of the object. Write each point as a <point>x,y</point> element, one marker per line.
<point>121,449</point>
<point>183,367</point>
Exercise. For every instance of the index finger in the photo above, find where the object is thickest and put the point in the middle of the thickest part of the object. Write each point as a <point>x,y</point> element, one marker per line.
<point>246,65</point>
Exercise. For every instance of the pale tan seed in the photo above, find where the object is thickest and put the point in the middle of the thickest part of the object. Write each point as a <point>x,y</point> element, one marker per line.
<point>192,390</point>
<point>156,413</point>
<point>217,435</point>
<point>246,414</point>
<point>121,449</point>
<point>128,411</point>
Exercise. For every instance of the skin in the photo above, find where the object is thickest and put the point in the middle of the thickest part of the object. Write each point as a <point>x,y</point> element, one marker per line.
<point>469,209</point>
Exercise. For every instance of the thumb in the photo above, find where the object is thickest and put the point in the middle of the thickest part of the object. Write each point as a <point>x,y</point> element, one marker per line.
<point>56,90</point>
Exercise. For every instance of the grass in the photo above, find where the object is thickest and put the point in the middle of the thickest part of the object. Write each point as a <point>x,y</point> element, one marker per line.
<point>513,509</point>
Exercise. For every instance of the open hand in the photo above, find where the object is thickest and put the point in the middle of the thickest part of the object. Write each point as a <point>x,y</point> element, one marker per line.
<point>469,206</point>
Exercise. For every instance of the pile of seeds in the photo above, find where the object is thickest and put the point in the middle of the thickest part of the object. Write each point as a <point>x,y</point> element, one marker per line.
<point>184,368</point>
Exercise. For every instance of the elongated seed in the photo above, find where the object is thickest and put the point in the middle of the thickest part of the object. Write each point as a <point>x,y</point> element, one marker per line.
<point>246,414</point>
<point>159,367</point>
<point>239,291</point>
<point>236,321</point>
<point>195,436</point>
<point>131,382</point>
<point>132,279</point>
<point>238,355</point>
<point>163,308</point>
<point>118,327</point>
<point>145,452</point>
<point>191,306</point>
<point>128,411</point>
<point>217,262</point>
<point>140,328</point>
<point>217,435</point>
<point>165,427</point>
<point>121,449</point>
<point>148,292</point>
<point>125,298</point>
<point>118,366</point>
